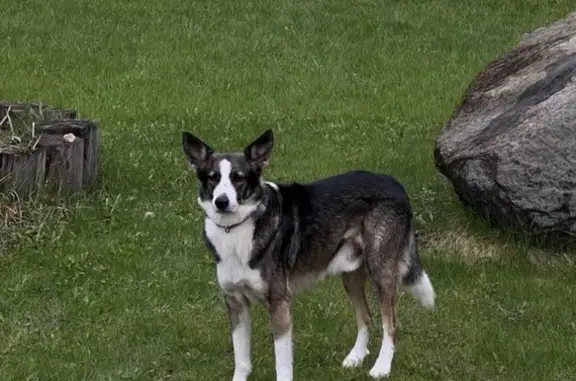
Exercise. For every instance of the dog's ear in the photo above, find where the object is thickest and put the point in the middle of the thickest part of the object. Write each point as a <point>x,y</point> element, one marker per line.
<point>196,150</point>
<point>258,152</point>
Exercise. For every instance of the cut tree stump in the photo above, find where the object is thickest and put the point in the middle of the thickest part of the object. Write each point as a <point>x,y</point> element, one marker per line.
<point>60,155</point>
<point>22,173</point>
<point>87,132</point>
<point>64,162</point>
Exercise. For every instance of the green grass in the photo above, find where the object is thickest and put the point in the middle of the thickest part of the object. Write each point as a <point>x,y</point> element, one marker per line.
<point>108,294</point>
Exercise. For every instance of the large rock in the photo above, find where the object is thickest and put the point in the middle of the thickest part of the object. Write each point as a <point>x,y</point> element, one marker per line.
<point>509,149</point>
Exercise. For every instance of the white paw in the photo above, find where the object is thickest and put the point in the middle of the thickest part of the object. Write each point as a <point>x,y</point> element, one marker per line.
<point>379,372</point>
<point>429,303</point>
<point>241,375</point>
<point>354,359</point>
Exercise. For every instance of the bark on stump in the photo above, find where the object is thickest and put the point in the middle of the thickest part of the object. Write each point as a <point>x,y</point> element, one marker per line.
<point>87,132</point>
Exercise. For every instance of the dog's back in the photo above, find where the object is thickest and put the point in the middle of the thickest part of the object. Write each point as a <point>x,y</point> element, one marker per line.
<point>359,184</point>
<point>330,212</point>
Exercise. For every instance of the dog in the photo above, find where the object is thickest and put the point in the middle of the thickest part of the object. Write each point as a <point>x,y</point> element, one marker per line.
<point>271,241</point>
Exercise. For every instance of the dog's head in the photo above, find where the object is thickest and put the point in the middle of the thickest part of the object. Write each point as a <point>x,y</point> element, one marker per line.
<point>230,183</point>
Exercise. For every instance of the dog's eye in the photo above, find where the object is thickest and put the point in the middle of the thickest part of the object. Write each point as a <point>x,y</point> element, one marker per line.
<point>238,177</point>
<point>213,176</point>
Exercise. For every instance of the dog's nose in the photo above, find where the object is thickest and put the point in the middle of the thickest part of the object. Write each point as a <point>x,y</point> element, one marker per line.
<point>222,202</point>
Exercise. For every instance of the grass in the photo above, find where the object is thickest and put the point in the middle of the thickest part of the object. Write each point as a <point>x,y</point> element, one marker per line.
<point>115,293</point>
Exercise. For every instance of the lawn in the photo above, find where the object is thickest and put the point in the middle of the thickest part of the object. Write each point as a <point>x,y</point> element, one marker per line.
<point>120,287</point>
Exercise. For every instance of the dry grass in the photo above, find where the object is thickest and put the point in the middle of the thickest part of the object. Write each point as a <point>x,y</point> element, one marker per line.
<point>17,130</point>
<point>22,221</point>
<point>470,246</point>
<point>18,121</point>
<point>465,244</point>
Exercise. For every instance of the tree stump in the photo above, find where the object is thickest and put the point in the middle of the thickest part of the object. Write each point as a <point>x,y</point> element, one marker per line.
<point>22,173</point>
<point>84,130</point>
<point>46,148</point>
<point>64,162</point>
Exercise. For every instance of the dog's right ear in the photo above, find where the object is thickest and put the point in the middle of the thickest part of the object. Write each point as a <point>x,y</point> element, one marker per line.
<point>196,150</point>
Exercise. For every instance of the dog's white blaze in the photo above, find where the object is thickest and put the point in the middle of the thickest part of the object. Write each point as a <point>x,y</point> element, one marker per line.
<point>423,291</point>
<point>235,250</point>
<point>360,349</point>
<point>241,345</point>
<point>383,363</point>
<point>225,185</point>
<point>284,356</point>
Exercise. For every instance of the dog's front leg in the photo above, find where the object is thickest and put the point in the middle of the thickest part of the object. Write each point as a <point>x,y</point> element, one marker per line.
<point>239,316</point>
<point>281,316</point>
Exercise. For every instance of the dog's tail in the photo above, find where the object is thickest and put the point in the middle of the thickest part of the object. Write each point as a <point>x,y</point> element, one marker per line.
<point>415,281</point>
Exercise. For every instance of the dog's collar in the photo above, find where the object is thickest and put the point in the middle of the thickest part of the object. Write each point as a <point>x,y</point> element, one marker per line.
<point>227,228</point>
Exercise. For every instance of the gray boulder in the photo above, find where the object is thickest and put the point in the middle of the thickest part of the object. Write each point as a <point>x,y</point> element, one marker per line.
<point>509,149</point>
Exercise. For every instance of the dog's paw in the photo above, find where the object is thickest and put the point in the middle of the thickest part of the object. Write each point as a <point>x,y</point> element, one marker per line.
<point>354,359</point>
<point>379,372</point>
<point>241,374</point>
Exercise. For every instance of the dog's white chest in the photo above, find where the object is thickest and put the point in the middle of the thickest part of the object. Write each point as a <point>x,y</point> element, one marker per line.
<point>235,250</point>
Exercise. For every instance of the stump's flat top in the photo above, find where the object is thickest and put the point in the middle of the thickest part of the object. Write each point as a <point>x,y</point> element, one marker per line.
<point>18,132</point>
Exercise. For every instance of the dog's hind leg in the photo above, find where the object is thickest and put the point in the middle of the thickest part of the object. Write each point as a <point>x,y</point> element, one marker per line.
<point>385,243</point>
<point>355,283</point>
<point>387,296</point>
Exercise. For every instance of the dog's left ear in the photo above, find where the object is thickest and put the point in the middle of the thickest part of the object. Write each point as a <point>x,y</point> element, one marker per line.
<point>258,152</point>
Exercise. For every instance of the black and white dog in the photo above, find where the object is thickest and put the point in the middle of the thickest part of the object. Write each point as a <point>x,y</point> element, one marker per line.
<point>271,241</point>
